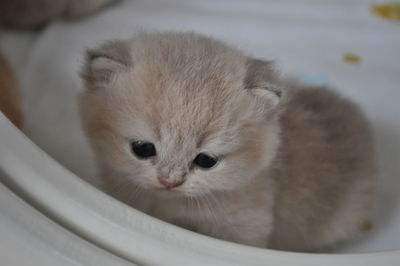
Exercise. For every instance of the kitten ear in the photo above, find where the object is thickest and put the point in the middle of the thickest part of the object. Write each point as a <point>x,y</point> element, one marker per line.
<point>104,62</point>
<point>259,81</point>
<point>269,93</point>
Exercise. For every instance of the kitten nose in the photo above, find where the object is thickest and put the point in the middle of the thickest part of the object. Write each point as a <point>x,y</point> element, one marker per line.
<point>169,184</point>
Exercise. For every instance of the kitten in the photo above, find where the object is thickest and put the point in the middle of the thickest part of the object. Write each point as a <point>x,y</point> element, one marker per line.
<point>28,14</point>
<point>194,132</point>
<point>9,95</point>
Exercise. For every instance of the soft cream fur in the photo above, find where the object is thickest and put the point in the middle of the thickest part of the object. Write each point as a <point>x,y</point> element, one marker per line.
<point>296,169</point>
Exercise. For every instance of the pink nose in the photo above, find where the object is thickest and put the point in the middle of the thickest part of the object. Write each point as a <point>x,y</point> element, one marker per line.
<point>169,184</point>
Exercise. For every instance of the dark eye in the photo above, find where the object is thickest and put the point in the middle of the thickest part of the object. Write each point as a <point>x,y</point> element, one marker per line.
<point>204,160</point>
<point>143,150</point>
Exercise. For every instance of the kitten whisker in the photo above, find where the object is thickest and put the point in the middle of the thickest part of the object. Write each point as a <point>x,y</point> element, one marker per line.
<point>135,195</point>
<point>209,206</point>
<point>119,187</point>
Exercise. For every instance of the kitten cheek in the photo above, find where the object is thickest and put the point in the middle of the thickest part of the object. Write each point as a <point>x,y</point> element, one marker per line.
<point>236,173</point>
<point>251,154</point>
<point>145,177</point>
<point>194,189</point>
<point>217,179</point>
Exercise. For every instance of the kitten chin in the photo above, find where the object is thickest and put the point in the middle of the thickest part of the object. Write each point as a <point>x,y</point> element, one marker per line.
<point>198,134</point>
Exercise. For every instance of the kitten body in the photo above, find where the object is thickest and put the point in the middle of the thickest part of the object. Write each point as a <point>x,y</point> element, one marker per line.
<point>295,166</point>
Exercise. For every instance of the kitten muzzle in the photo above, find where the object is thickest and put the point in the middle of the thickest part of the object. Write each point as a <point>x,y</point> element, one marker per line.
<point>169,184</point>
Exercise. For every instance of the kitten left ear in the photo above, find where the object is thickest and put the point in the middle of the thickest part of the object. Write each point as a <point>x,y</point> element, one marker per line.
<point>259,81</point>
<point>104,62</point>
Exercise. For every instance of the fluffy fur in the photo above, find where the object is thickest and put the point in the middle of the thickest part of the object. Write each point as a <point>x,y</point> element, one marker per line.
<point>27,14</point>
<point>296,168</point>
<point>9,94</point>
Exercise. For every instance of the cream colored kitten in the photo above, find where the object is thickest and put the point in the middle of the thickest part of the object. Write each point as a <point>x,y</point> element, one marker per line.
<point>194,132</point>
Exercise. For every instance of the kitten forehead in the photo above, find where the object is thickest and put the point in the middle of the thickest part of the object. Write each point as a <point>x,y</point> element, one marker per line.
<point>185,85</point>
<point>189,91</point>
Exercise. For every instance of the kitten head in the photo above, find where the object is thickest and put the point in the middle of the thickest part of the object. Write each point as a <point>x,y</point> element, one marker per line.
<point>180,113</point>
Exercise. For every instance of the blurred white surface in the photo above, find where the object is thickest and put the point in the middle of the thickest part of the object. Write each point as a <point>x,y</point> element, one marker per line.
<point>307,38</point>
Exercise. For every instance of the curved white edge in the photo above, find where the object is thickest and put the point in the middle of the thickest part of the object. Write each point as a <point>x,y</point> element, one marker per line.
<point>27,237</point>
<point>127,232</point>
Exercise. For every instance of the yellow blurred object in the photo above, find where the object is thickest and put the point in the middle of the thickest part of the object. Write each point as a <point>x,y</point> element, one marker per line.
<point>388,11</point>
<point>367,226</point>
<point>352,58</point>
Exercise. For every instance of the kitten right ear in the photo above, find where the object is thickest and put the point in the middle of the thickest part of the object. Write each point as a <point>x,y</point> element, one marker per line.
<point>103,62</point>
<point>260,81</point>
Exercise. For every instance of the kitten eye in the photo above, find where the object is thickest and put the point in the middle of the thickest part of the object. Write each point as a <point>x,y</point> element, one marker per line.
<point>204,160</point>
<point>143,150</point>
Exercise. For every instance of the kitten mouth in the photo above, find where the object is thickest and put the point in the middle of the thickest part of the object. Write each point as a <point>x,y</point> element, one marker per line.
<point>168,192</point>
<point>171,191</point>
